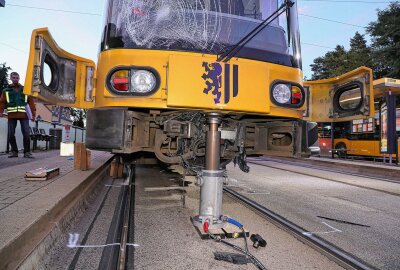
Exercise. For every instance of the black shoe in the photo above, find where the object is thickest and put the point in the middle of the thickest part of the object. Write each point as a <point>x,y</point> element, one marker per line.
<point>13,155</point>
<point>28,155</point>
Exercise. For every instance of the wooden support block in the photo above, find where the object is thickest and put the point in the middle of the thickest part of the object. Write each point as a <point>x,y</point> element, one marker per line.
<point>116,170</point>
<point>83,165</point>
<point>113,168</point>
<point>41,174</point>
<point>82,157</point>
<point>88,158</point>
<point>120,170</point>
<point>77,155</point>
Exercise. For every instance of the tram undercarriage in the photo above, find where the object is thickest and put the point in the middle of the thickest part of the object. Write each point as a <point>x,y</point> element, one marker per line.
<point>180,136</point>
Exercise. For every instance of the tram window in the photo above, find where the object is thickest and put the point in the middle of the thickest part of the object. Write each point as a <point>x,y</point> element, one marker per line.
<point>341,130</point>
<point>206,26</point>
<point>349,97</point>
<point>255,9</point>
<point>234,7</point>
<point>324,130</point>
<point>47,74</point>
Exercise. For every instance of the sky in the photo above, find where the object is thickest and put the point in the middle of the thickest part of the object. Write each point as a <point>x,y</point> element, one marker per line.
<point>80,33</point>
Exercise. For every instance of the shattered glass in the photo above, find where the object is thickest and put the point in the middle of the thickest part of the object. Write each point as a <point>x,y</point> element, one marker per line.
<point>207,26</point>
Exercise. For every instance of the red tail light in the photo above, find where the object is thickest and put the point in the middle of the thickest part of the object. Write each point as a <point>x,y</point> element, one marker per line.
<point>120,80</point>
<point>120,84</point>
<point>297,96</point>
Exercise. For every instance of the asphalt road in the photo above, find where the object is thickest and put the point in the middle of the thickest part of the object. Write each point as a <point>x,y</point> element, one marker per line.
<point>363,222</point>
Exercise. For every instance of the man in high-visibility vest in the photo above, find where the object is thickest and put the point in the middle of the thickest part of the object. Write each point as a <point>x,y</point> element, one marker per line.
<point>15,101</point>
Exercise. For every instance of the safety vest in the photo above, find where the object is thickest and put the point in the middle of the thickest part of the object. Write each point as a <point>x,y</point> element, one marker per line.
<point>16,101</point>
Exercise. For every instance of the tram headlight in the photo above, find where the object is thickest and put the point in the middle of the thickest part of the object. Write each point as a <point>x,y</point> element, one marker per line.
<point>282,93</point>
<point>133,81</point>
<point>287,94</point>
<point>142,81</point>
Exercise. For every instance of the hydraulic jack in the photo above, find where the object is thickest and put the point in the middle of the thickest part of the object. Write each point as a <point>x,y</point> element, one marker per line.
<point>211,180</point>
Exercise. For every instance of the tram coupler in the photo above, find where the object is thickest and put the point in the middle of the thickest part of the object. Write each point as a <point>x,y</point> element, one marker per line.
<point>211,180</point>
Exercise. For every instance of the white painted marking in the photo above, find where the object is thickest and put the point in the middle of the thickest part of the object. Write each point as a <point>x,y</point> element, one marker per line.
<point>326,224</point>
<point>74,238</point>
<point>331,226</point>
<point>250,192</point>
<point>126,183</point>
<point>148,189</point>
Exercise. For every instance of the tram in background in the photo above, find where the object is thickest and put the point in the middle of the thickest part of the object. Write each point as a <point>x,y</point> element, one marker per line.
<point>165,68</point>
<point>360,137</point>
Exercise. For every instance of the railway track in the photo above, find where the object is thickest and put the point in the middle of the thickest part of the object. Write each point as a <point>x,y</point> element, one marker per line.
<point>259,163</point>
<point>117,253</point>
<point>321,168</point>
<point>333,252</point>
<point>116,256</point>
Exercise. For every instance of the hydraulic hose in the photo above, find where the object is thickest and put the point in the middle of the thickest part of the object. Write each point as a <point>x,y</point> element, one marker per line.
<point>234,222</point>
<point>253,259</point>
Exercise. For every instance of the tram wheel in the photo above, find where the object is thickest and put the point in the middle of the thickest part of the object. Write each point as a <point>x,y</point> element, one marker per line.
<point>341,150</point>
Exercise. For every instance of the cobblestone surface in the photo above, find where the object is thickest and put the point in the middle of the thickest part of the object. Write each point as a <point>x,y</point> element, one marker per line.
<point>6,162</point>
<point>14,187</point>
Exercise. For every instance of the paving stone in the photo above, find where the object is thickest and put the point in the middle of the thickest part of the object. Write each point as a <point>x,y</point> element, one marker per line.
<point>13,186</point>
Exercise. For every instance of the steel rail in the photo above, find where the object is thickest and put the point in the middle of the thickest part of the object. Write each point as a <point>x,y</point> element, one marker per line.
<point>333,252</point>
<point>115,257</point>
<point>122,260</point>
<point>323,169</point>
<point>326,178</point>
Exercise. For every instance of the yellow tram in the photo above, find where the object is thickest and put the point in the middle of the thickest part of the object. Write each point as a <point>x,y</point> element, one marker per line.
<point>198,82</point>
<point>163,65</point>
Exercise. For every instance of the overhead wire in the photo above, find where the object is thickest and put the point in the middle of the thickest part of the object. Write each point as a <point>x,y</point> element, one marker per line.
<point>97,14</point>
<point>12,47</point>
<point>57,10</point>
<point>329,20</point>
<point>316,45</point>
<point>301,14</point>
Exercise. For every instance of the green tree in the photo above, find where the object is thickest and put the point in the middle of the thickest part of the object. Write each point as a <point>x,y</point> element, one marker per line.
<point>332,64</point>
<point>3,76</point>
<point>359,53</point>
<point>385,34</point>
<point>340,61</point>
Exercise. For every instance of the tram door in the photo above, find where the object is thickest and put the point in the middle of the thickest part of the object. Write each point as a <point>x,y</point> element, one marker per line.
<point>57,76</point>
<point>343,98</point>
<point>334,102</point>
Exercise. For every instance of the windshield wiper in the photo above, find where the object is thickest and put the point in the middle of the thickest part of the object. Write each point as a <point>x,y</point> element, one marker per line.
<point>233,50</point>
